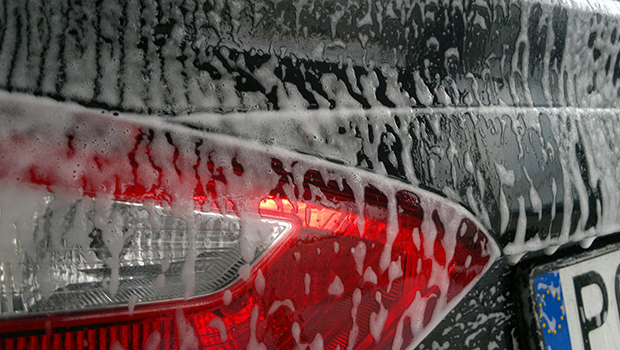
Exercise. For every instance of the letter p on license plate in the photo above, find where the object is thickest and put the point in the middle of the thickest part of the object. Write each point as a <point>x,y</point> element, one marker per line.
<point>577,304</point>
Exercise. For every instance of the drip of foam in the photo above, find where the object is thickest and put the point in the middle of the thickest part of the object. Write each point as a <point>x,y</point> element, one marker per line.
<point>336,288</point>
<point>377,320</point>
<point>218,324</point>
<point>359,253</point>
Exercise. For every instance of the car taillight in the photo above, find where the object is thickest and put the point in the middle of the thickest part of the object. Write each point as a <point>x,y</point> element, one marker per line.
<point>126,233</point>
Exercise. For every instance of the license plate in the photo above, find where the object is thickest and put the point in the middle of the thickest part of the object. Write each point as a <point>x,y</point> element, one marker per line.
<point>577,304</point>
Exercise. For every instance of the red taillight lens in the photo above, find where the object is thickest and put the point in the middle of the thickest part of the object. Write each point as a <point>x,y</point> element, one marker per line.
<point>354,261</point>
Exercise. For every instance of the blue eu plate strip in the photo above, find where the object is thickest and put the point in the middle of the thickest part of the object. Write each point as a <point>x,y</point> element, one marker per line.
<point>551,311</point>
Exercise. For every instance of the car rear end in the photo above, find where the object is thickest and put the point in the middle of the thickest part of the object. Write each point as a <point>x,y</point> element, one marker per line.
<point>207,175</point>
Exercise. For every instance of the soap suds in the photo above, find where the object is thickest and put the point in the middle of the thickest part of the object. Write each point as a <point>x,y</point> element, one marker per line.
<point>218,324</point>
<point>336,288</point>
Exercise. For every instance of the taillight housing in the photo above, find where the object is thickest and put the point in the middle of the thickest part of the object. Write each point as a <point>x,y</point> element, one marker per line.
<point>186,239</point>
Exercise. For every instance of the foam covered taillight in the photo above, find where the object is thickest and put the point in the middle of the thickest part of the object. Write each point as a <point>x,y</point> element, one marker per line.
<point>131,233</point>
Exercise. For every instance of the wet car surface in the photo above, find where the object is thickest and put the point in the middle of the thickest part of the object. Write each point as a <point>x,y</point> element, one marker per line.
<point>506,109</point>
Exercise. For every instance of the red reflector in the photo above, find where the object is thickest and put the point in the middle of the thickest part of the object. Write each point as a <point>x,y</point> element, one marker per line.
<point>377,268</point>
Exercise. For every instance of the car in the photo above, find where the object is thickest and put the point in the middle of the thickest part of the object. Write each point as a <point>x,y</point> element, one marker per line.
<point>309,175</point>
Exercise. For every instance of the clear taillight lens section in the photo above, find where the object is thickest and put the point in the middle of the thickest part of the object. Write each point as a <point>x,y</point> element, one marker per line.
<point>131,253</point>
<point>198,241</point>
